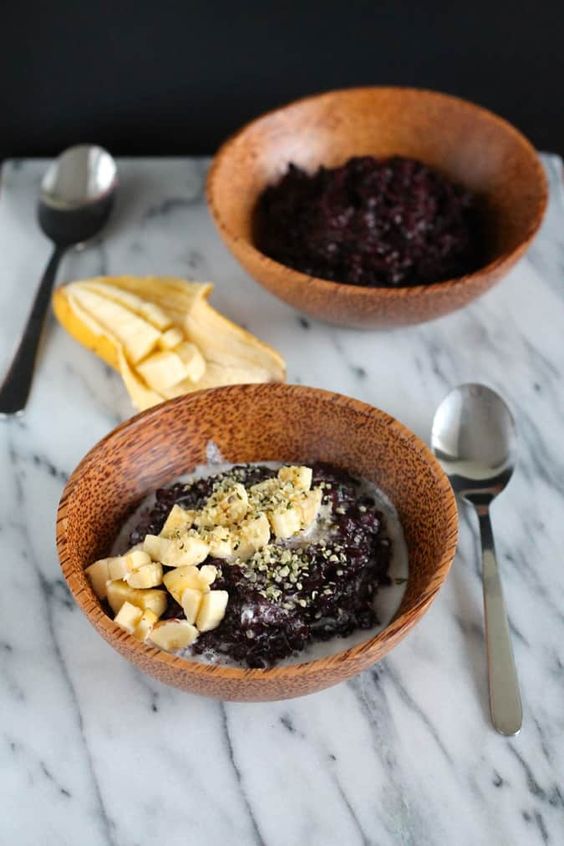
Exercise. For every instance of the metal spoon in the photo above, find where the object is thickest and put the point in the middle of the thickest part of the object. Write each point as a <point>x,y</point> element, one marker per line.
<point>475,440</point>
<point>77,194</point>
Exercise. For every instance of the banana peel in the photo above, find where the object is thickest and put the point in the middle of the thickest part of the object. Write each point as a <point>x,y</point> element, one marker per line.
<point>231,354</point>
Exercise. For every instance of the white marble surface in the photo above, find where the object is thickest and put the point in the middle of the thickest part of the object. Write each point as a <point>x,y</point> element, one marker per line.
<point>93,753</point>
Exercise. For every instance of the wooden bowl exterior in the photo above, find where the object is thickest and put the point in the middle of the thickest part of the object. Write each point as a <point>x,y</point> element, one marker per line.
<point>469,144</point>
<point>252,423</point>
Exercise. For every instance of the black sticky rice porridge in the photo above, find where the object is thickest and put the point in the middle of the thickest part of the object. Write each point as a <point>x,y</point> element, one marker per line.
<point>371,222</point>
<point>314,588</point>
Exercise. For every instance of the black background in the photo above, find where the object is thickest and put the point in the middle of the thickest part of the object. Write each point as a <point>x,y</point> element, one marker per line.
<point>177,78</point>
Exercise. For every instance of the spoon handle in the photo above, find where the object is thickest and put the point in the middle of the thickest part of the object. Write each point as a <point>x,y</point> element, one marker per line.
<point>16,386</point>
<point>505,699</point>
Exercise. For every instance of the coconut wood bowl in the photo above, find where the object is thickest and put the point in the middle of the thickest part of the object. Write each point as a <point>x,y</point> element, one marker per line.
<point>252,423</point>
<point>470,145</point>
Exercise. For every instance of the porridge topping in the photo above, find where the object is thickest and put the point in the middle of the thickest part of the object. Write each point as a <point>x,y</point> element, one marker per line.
<point>236,524</point>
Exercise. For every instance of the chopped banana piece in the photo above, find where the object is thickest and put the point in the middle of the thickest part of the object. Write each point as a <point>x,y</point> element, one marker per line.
<point>263,491</point>
<point>220,541</point>
<point>98,574</point>
<point>212,610</point>
<point>137,336</point>
<point>285,521</point>
<point>145,624</point>
<point>178,552</point>
<point>142,396</point>
<point>178,580</point>
<point>191,601</point>
<point>155,315</point>
<point>171,338</point>
<point>308,506</point>
<point>177,521</point>
<point>148,576</point>
<point>234,502</point>
<point>300,477</point>
<point>208,573</point>
<point>122,565</point>
<point>118,567</point>
<point>193,360</point>
<point>128,617</point>
<point>178,390</point>
<point>120,592</point>
<point>173,634</point>
<point>253,535</point>
<point>136,558</point>
<point>227,505</point>
<point>162,370</point>
<point>111,292</point>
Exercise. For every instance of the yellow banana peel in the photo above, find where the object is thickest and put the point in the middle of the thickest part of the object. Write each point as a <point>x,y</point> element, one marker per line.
<point>124,320</point>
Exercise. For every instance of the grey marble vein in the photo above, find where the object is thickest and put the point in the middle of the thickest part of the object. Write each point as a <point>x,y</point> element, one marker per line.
<point>94,753</point>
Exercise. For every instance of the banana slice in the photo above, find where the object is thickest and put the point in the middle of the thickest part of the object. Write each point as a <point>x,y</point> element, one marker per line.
<point>128,617</point>
<point>191,600</point>
<point>253,535</point>
<point>110,292</point>
<point>155,315</point>
<point>263,492</point>
<point>179,520</point>
<point>173,634</point>
<point>98,575</point>
<point>299,477</point>
<point>208,573</point>
<point>141,396</point>
<point>195,367</point>
<point>178,390</point>
<point>145,625</point>
<point>117,568</point>
<point>137,336</point>
<point>226,506</point>
<point>308,506</point>
<point>192,359</point>
<point>181,578</point>
<point>176,552</point>
<point>212,610</point>
<point>148,576</point>
<point>163,370</point>
<point>220,540</point>
<point>122,565</point>
<point>171,338</point>
<point>285,521</point>
<point>120,592</point>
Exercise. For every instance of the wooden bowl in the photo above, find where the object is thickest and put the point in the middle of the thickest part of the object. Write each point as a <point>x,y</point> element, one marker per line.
<point>252,423</point>
<point>470,145</point>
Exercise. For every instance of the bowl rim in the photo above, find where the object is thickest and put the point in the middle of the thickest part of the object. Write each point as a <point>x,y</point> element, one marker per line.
<point>362,293</point>
<point>391,633</point>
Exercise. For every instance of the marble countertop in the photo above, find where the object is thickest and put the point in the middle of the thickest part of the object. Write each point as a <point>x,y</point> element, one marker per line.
<point>96,754</point>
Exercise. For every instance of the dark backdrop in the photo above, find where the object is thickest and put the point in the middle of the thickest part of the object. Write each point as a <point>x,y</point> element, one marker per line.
<point>164,77</point>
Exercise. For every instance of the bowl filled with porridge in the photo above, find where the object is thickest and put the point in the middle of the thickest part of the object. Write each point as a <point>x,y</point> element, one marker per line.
<point>256,542</point>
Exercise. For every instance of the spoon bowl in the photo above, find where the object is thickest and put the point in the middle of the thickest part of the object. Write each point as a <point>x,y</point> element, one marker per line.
<point>76,199</point>
<point>77,194</point>
<point>474,438</point>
